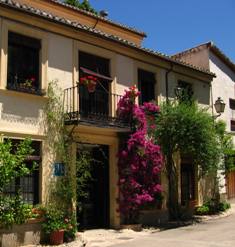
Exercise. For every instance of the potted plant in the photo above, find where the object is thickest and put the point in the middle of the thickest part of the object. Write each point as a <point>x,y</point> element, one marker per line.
<point>90,82</point>
<point>54,225</point>
<point>28,84</point>
<point>38,213</point>
<point>70,228</point>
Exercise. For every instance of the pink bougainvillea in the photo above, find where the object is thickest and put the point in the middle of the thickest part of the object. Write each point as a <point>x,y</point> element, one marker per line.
<point>140,159</point>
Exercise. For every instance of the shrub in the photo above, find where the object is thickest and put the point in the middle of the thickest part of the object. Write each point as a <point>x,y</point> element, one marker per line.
<point>13,211</point>
<point>140,159</point>
<point>212,207</point>
<point>223,206</point>
<point>202,210</point>
<point>54,219</point>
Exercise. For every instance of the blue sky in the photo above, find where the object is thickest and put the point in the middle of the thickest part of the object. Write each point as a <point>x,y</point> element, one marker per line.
<point>175,25</point>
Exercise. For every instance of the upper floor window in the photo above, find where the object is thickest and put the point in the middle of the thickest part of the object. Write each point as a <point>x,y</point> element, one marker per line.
<point>232,107</point>
<point>23,63</point>
<point>184,91</point>
<point>146,85</point>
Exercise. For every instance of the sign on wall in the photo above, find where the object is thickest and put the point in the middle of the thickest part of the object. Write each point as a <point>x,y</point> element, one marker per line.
<point>59,169</point>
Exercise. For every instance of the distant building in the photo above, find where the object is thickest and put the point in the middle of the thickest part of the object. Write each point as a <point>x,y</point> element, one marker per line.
<point>210,57</point>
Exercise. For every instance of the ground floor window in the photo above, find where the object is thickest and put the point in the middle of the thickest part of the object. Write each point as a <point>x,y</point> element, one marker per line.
<point>27,186</point>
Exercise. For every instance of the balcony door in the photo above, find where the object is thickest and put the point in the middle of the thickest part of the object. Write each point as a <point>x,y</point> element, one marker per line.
<point>94,104</point>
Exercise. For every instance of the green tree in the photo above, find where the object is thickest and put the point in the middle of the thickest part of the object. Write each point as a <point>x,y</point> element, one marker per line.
<point>74,3</point>
<point>186,129</point>
<point>12,161</point>
<point>227,147</point>
<point>12,165</point>
<point>85,5</point>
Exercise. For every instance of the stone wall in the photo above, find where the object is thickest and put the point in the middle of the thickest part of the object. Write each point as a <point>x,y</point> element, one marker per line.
<point>25,234</point>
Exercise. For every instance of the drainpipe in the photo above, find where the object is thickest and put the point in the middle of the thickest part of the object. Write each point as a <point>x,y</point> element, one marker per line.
<point>167,82</point>
<point>212,100</point>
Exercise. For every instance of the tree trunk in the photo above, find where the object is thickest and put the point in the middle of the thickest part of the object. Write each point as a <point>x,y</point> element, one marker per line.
<point>173,205</point>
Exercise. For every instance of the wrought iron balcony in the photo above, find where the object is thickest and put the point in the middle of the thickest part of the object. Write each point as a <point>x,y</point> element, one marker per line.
<point>95,108</point>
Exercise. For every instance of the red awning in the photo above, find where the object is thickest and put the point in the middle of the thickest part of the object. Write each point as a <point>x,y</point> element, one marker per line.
<point>90,72</point>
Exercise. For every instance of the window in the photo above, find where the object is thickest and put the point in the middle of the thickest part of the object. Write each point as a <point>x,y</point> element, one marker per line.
<point>27,185</point>
<point>146,85</point>
<point>232,107</point>
<point>23,63</point>
<point>96,103</point>
<point>232,125</point>
<point>184,91</point>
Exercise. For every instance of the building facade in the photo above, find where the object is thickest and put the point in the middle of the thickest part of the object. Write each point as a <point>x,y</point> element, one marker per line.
<point>43,41</point>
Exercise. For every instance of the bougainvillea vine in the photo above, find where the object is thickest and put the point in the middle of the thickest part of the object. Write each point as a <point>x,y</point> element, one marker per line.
<point>140,159</point>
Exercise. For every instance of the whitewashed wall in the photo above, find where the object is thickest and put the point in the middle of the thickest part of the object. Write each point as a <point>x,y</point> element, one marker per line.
<point>223,86</point>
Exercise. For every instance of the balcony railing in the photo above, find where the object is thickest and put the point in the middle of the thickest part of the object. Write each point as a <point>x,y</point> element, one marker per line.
<point>97,108</point>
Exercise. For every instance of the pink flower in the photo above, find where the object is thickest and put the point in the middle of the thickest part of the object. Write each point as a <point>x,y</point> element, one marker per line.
<point>32,79</point>
<point>140,160</point>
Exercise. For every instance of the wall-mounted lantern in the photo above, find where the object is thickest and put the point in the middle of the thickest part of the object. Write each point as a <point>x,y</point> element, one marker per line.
<point>219,107</point>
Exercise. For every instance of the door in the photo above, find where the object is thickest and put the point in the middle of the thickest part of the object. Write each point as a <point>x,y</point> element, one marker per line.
<point>187,183</point>
<point>94,212</point>
<point>231,184</point>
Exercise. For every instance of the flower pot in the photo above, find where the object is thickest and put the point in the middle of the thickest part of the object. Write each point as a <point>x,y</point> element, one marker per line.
<point>91,86</point>
<point>57,237</point>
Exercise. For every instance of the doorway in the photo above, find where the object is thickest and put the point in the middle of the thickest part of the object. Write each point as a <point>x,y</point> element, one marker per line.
<point>94,208</point>
<point>187,183</point>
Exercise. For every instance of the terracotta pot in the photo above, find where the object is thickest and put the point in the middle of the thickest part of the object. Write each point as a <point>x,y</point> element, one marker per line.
<point>91,86</point>
<point>57,237</point>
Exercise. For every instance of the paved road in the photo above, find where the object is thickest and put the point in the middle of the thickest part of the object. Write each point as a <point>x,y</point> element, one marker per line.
<point>214,233</point>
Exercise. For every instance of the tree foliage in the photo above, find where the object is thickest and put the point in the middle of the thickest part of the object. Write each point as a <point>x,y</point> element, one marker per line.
<point>85,5</point>
<point>12,165</point>
<point>12,161</point>
<point>187,129</point>
<point>227,147</point>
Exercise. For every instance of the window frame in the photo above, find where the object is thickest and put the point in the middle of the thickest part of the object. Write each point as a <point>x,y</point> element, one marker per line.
<point>179,84</point>
<point>153,82</point>
<point>24,42</point>
<point>12,26</point>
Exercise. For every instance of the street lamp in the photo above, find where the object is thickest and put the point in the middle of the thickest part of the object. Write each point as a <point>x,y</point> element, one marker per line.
<point>219,107</point>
